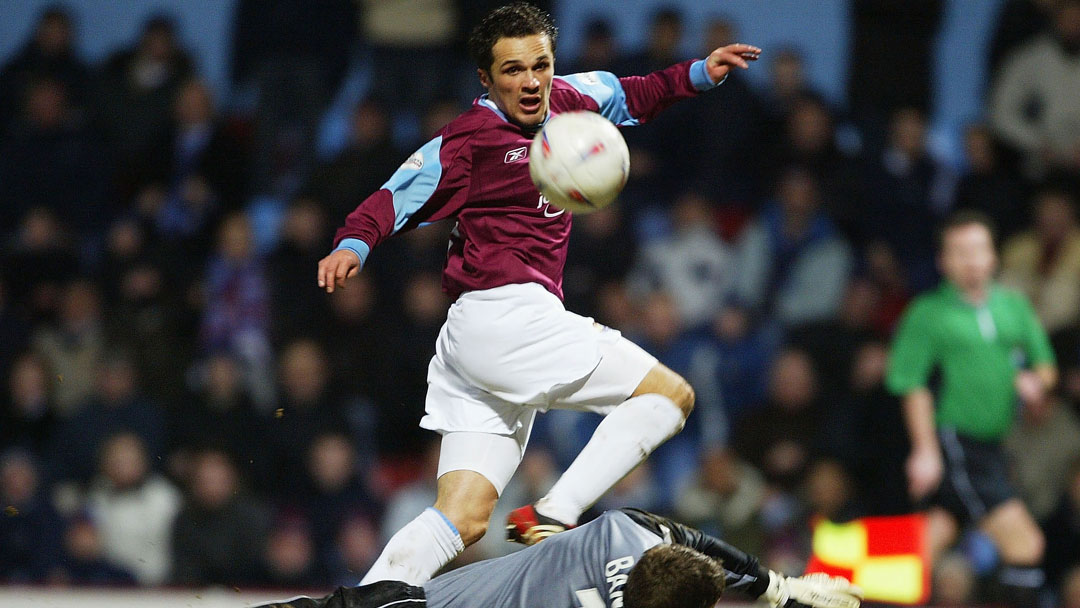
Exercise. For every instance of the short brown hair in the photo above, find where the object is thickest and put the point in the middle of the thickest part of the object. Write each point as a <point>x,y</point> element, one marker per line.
<point>515,20</point>
<point>965,217</point>
<point>674,576</point>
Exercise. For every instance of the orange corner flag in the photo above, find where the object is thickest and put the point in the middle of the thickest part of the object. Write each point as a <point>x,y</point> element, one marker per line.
<point>886,556</point>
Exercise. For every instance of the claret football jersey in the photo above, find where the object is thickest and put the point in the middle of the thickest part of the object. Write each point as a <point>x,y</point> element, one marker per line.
<point>475,171</point>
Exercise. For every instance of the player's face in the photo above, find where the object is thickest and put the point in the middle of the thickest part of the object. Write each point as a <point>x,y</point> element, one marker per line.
<point>967,256</point>
<point>519,80</point>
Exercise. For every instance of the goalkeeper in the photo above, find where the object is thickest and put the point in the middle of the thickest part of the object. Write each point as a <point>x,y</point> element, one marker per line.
<point>625,558</point>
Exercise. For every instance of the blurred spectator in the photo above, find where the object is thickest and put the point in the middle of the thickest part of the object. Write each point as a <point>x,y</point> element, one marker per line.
<point>84,561</point>
<point>357,546</point>
<point>297,306</point>
<point>136,89</point>
<point>1042,445</point>
<point>662,45</point>
<point>49,158</point>
<point>792,262</point>
<point>909,192</point>
<point>1044,262</point>
<point>134,510</point>
<point>14,328</point>
<point>30,529</point>
<point>600,252</point>
<point>219,413</point>
<point>357,343</point>
<point>28,417</point>
<point>725,500</point>
<point>363,166</point>
<point>745,352</point>
<point>1032,107</point>
<point>787,86</point>
<point>829,492</point>
<point>289,560</point>
<point>781,437</point>
<point>638,488</point>
<point>308,407</point>
<point>236,317</point>
<point>832,343</point>
<point>117,404</point>
<point>1017,23</point>
<point>863,417</point>
<point>197,145</point>
<point>991,184</point>
<point>693,264</point>
<point>37,262</point>
<point>73,345</point>
<point>220,533</point>
<point>336,492</point>
<point>50,53</point>
<point>808,139</point>
<point>404,36</point>
<point>598,50</point>
<point>1070,589</point>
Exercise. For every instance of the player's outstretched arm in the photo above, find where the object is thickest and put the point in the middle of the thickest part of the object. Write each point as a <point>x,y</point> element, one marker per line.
<point>719,62</point>
<point>335,268</point>
<point>817,590</point>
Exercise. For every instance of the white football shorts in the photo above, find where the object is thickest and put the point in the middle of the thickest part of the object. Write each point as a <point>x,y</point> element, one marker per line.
<point>511,351</point>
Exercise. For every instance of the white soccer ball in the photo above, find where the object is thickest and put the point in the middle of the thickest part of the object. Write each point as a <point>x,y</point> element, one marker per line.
<point>579,161</point>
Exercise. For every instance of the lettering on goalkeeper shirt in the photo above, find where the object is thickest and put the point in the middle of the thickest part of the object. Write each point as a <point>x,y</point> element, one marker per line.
<point>616,572</point>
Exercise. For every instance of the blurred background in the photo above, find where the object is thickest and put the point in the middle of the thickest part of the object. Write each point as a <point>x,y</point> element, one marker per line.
<point>182,407</point>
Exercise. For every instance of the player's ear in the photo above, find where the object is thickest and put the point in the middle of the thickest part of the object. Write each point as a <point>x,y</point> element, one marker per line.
<point>485,77</point>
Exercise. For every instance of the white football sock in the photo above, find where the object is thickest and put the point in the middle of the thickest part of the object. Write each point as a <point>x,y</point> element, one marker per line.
<point>417,551</point>
<point>624,438</point>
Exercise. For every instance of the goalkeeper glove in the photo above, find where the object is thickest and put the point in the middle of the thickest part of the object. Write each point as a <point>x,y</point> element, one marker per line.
<point>811,591</point>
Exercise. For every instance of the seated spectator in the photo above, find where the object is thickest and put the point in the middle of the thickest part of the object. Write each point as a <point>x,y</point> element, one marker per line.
<point>37,262</point>
<point>725,500</point>
<point>1033,104</point>
<point>693,264</point>
<point>14,328</point>
<point>28,417</point>
<point>781,437</point>
<point>134,509</point>
<point>991,184</point>
<point>954,581</point>
<point>792,263</point>
<point>50,53</point>
<point>296,308</point>
<point>290,558</point>
<point>30,529</point>
<point>116,405</point>
<point>1043,443</point>
<point>220,533</point>
<point>356,548</point>
<point>598,49</point>
<point>600,252</point>
<point>74,346</point>
<point>84,562</point>
<point>1044,262</point>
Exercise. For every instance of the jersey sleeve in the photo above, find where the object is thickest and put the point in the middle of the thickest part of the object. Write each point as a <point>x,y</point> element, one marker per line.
<point>912,356</point>
<point>1036,343</point>
<point>633,100</point>
<point>744,573</point>
<point>429,186</point>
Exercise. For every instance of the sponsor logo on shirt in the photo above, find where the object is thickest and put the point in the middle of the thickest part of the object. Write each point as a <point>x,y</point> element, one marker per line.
<point>543,202</point>
<point>516,154</point>
<point>416,161</point>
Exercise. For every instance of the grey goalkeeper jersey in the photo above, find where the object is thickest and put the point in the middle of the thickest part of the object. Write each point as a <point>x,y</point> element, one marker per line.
<point>586,567</point>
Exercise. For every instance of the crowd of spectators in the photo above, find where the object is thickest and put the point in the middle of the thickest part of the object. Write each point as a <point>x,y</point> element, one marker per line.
<point>181,405</point>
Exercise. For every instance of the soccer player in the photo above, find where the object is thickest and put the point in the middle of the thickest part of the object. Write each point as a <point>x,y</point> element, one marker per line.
<point>626,558</point>
<point>508,348</point>
<point>991,352</point>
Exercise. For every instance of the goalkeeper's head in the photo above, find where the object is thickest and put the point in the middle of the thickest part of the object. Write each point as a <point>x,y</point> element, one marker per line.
<point>674,576</point>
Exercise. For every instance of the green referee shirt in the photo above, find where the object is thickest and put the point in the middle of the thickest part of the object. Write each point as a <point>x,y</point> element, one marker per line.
<point>978,350</point>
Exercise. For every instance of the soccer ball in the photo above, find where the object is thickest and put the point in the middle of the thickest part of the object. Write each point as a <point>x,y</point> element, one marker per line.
<point>579,161</point>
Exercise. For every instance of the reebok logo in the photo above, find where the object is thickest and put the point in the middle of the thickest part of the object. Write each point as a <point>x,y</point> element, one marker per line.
<point>516,154</point>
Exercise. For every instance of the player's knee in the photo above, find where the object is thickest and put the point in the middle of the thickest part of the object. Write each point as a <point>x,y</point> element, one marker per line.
<point>683,396</point>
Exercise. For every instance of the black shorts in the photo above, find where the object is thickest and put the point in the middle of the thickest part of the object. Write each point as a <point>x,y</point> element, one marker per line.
<point>381,594</point>
<point>976,478</point>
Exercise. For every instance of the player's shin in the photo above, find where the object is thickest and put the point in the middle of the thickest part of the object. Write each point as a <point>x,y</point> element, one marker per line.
<point>622,441</point>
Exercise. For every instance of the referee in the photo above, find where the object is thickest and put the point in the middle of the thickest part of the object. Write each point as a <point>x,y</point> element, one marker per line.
<point>991,353</point>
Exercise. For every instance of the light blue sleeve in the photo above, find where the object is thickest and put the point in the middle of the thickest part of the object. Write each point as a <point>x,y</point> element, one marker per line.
<point>607,92</point>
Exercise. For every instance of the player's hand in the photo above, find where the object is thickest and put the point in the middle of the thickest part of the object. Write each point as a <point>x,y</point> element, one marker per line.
<point>924,471</point>
<point>811,591</point>
<point>720,61</point>
<point>1030,388</point>
<point>336,267</point>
